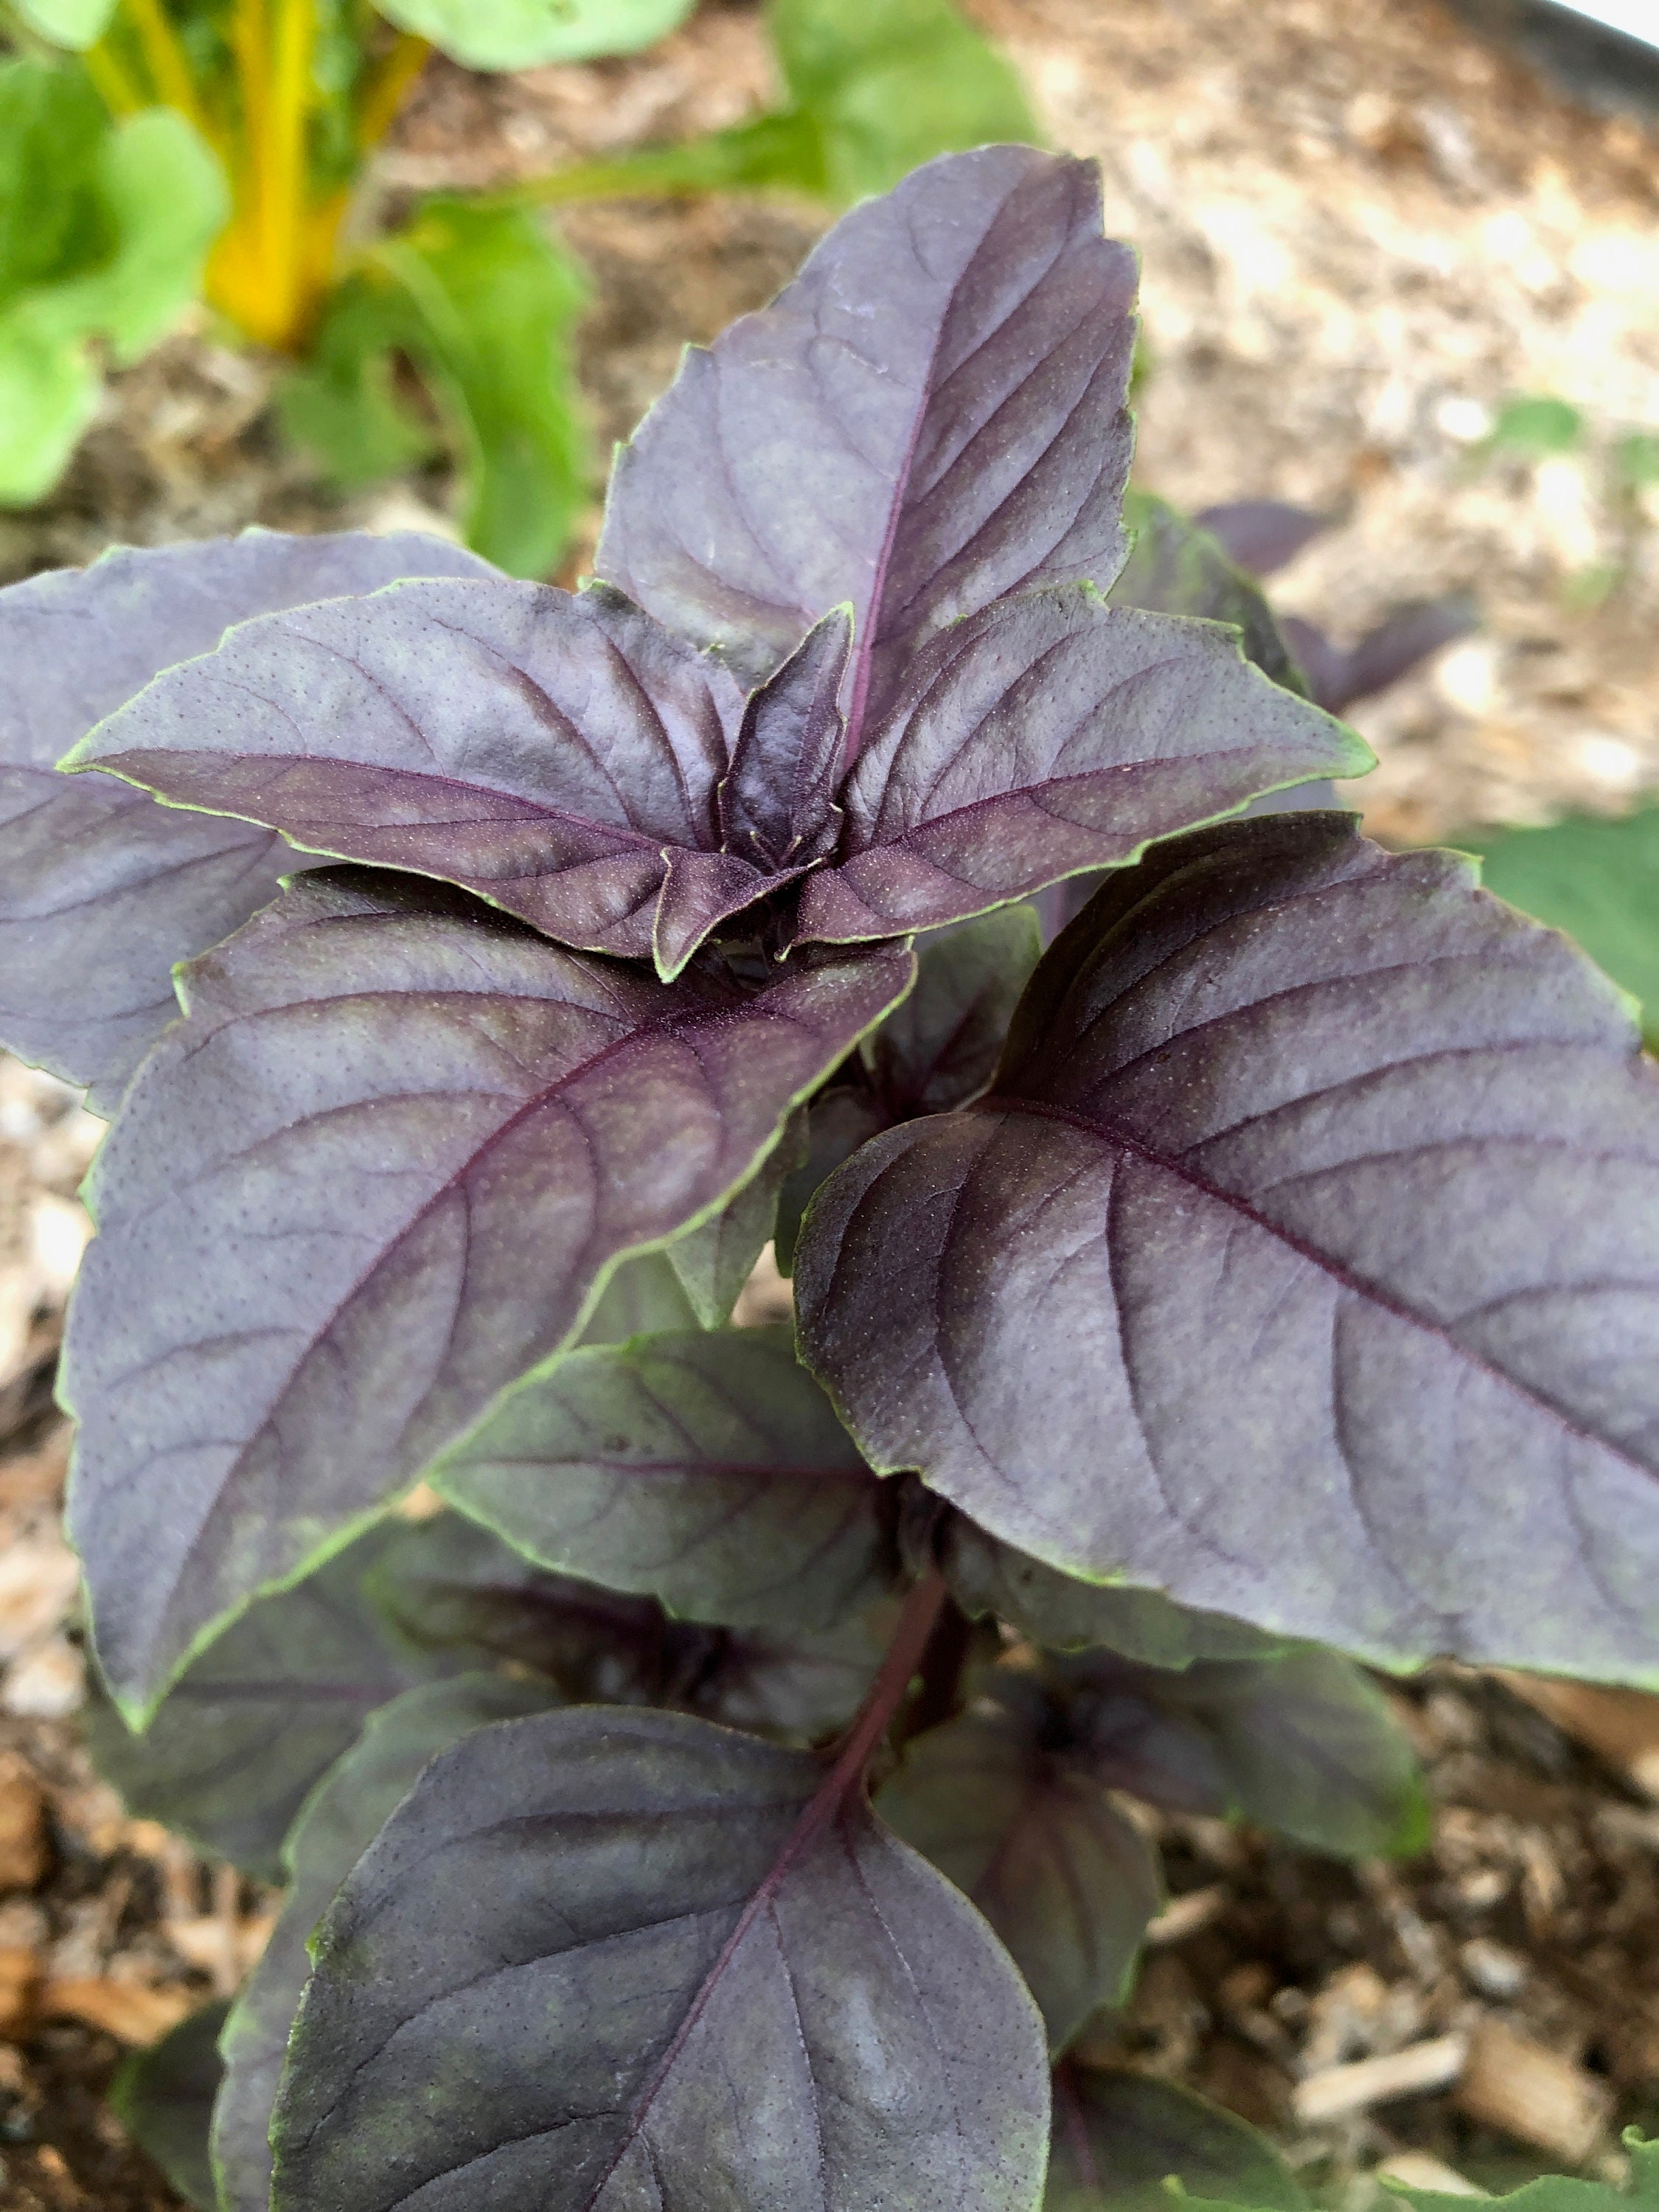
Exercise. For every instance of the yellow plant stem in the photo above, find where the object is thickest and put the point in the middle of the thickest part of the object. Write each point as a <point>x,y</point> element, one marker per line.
<point>386,85</point>
<point>270,269</point>
<point>165,59</point>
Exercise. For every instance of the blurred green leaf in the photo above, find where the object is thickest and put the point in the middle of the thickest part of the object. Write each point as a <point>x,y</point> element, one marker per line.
<point>889,83</point>
<point>1596,879</point>
<point>77,23</point>
<point>515,35</point>
<point>103,234</point>
<point>1537,426</point>
<point>875,88</point>
<point>485,305</point>
<point>1552,2193</point>
<point>1636,459</point>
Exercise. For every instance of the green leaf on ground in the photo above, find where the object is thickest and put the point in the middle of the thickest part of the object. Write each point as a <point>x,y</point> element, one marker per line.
<point>1595,878</point>
<point>515,34</point>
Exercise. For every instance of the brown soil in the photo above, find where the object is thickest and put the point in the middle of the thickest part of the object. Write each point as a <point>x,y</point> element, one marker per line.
<point>1362,231</point>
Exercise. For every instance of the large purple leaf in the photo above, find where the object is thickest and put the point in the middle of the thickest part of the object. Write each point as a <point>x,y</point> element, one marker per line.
<point>930,418</point>
<point>540,748</point>
<point>384,1169</point>
<point>101,891</point>
<point>707,1469</point>
<point>1304,1263</point>
<point>1048,736</point>
<point>600,1960</point>
<point>1028,1829</point>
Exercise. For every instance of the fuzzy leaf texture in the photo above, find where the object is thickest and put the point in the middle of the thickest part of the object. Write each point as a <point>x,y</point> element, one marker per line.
<point>1302,1263</point>
<point>383,1169</point>
<point>723,1989</point>
<point>101,891</point>
<point>705,1469</point>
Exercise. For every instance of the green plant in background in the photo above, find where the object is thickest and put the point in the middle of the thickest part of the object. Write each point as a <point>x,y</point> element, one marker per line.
<point>1597,878</point>
<point>155,150</point>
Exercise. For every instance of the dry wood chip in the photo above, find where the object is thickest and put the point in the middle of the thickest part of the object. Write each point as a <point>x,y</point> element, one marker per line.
<point>1621,1726</point>
<point>1184,1915</point>
<point>127,2010</point>
<point>1337,2090</point>
<point>1419,2169</point>
<point>20,1983</point>
<point>24,1856</point>
<point>1515,2085</point>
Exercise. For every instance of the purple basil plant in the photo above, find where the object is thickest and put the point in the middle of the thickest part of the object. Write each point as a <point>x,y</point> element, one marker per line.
<point>718,1797</point>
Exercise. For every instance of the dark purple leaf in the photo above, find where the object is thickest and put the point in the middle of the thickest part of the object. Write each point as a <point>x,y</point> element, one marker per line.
<point>700,891</point>
<point>384,1169</point>
<point>163,2097</point>
<point>1175,567</point>
<point>1031,1833</point>
<point>706,1469</point>
<point>797,1686</point>
<point>1304,1263</point>
<point>537,747</point>
<point>600,1959</point>
<point>941,1047</point>
<point>1048,736</point>
<point>1408,637</point>
<point>1119,2136</point>
<point>712,1263</point>
<point>777,804</point>
<point>1056,1610</point>
<point>1302,1743</point>
<point>930,418</point>
<point>838,1121</point>
<point>341,1820</point>
<point>103,890</point>
<point>262,1713</point>
<point>1261,535</point>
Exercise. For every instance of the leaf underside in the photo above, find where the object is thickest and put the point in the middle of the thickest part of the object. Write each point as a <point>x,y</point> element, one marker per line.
<point>709,1989</point>
<point>1302,1263</point>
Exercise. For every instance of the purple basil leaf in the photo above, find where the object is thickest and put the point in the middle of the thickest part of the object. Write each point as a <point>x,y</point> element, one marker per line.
<point>1408,637</point>
<point>700,891</point>
<point>1048,736</point>
<point>706,1469</point>
<point>252,1724</point>
<point>797,1686</point>
<point>618,1966</point>
<point>104,891</point>
<point>930,418</point>
<point>712,1263</point>
<point>1261,535</point>
<point>644,1298</point>
<point>777,804</point>
<point>1118,2136</point>
<point>1056,1610</point>
<point>941,1047</point>
<point>1303,1263</point>
<point>341,1820</point>
<point>1032,1836</point>
<point>838,1121</point>
<point>1323,664</point>
<point>1176,567</point>
<point>536,747</point>
<point>383,1170</point>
